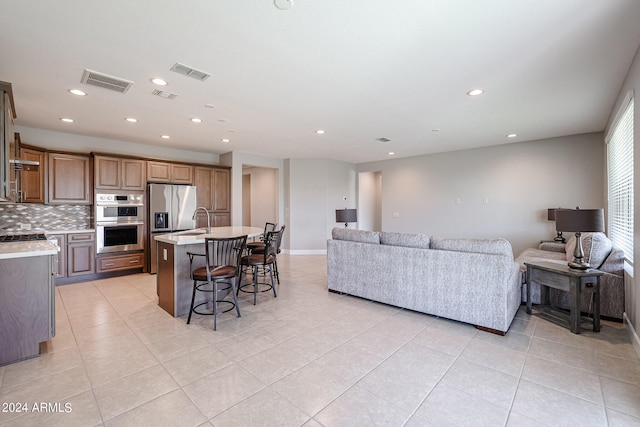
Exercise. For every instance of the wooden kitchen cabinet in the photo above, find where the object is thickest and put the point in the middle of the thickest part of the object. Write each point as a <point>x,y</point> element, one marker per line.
<point>81,254</point>
<point>61,270</point>
<point>27,304</point>
<point>213,192</point>
<point>113,173</point>
<point>120,262</point>
<point>32,189</point>
<point>169,173</point>
<point>69,179</point>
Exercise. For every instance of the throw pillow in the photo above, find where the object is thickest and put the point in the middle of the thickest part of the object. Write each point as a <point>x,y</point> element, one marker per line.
<point>596,248</point>
<point>481,246</point>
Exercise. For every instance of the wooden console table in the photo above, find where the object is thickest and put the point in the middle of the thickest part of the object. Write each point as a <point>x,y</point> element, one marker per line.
<point>560,276</point>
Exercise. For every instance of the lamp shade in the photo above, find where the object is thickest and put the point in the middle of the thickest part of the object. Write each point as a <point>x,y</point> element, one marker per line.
<point>551,214</point>
<point>579,220</point>
<point>346,215</point>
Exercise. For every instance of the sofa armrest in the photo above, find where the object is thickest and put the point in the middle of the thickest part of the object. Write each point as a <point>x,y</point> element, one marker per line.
<point>552,246</point>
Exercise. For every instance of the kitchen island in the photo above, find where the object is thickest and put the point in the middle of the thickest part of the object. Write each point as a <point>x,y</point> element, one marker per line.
<point>27,298</point>
<point>173,280</point>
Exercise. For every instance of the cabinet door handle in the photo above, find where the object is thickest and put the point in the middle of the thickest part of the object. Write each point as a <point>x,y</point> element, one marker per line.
<point>135,261</point>
<point>108,264</point>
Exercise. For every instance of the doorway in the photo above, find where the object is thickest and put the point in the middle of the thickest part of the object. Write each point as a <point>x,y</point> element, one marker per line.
<point>259,195</point>
<point>370,201</point>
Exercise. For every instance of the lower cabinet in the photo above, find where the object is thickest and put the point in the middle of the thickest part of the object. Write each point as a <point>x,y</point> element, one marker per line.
<point>81,254</point>
<point>60,269</point>
<point>120,262</point>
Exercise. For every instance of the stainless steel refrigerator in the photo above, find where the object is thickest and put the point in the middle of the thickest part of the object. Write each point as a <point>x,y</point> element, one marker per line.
<point>171,209</point>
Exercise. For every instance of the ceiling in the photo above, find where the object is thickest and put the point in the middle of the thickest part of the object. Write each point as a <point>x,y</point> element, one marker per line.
<point>360,70</point>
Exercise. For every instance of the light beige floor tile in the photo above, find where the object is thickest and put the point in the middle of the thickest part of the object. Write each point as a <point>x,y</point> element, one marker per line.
<point>87,319</point>
<point>114,328</point>
<point>522,326</point>
<point>562,353</point>
<point>513,340</point>
<point>620,419</point>
<point>564,378</point>
<point>561,334</point>
<point>451,342</point>
<point>117,365</point>
<point>223,389</point>
<point>265,408</point>
<point>498,357</point>
<point>171,409</point>
<point>311,388</point>
<point>126,393</point>
<point>556,408</point>
<point>108,346</point>
<point>162,329</point>
<point>359,407</point>
<point>41,367</point>
<point>348,362</point>
<point>620,369</point>
<point>519,420</point>
<point>448,406</point>
<point>406,377</point>
<point>178,345</point>
<point>482,382</point>
<point>380,345</point>
<point>80,410</point>
<point>63,340</point>
<point>621,396</point>
<point>54,388</point>
<point>196,364</point>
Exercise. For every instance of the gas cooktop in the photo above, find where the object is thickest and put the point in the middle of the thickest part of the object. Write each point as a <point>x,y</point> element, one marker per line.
<point>22,237</point>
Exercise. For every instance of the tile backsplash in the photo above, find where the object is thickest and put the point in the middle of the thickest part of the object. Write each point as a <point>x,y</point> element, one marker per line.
<point>44,217</point>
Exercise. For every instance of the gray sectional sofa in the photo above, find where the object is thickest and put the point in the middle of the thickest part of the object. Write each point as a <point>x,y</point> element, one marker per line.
<point>472,281</point>
<point>601,254</point>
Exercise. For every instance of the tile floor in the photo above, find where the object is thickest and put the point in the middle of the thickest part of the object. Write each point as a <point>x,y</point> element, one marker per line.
<point>312,358</point>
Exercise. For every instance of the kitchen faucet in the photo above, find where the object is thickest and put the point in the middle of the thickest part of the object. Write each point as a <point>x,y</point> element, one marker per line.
<point>208,219</point>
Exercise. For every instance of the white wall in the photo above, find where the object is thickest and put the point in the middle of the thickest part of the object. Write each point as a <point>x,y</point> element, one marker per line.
<point>86,144</point>
<point>370,201</point>
<point>632,295</point>
<point>315,190</point>
<point>519,181</point>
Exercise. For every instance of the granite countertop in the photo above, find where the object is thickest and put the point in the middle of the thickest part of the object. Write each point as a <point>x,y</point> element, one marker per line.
<point>196,236</point>
<point>27,249</point>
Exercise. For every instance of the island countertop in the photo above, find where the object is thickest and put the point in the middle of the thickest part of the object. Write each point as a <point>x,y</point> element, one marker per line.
<point>196,236</point>
<point>27,249</point>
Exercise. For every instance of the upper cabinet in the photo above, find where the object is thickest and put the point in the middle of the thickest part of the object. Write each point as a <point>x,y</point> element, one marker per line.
<point>113,173</point>
<point>213,193</point>
<point>169,173</point>
<point>7,115</point>
<point>32,189</point>
<point>69,179</point>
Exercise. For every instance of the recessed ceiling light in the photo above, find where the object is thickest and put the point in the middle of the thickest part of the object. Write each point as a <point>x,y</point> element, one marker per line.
<point>320,132</point>
<point>66,120</point>
<point>222,120</point>
<point>77,92</point>
<point>232,131</point>
<point>209,106</point>
<point>435,130</point>
<point>195,120</point>
<point>391,153</point>
<point>283,4</point>
<point>131,120</point>
<point>158,81</point>
<point>225,140</point>
<point>475,92</point>
<point>165,137</point>
<point>512,135</point>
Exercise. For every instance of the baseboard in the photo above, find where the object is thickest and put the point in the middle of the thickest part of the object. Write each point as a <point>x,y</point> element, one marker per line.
<point>635,340</point>
<point>306,252</point>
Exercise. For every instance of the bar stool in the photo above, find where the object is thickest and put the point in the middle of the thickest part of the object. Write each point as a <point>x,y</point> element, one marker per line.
<point>264,261</point>
<point>222,266</point>
<point>259,248</point>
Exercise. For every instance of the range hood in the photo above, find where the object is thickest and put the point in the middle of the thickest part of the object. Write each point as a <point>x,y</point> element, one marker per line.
<point>20,164</point>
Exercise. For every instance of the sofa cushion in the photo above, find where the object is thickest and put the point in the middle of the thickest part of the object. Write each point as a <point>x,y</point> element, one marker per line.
<point>361,236</point>
<point>405,239</point>
<point>481,246</point>
<point>596,247</point>
<point>539,255</point>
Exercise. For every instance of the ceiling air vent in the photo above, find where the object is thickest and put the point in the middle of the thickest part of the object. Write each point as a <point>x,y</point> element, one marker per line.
<point>106,81</point>
<point>383,139</point>
<point>163,94</point>
<point>190,71</point>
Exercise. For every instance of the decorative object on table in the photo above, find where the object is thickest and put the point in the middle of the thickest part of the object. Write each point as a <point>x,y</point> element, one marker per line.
<point>346,215</point>
<point>551,216</point>
<point>579,220</point>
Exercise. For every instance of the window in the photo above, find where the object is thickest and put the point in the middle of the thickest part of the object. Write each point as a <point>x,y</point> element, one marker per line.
<point>620,179</point>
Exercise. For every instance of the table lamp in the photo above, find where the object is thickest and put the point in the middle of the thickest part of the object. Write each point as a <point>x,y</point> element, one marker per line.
<point>346,216</point>
<point>579,221</point>
<point>551,216</point>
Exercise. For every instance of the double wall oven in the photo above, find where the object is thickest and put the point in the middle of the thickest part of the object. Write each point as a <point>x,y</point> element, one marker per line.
<point>119,222</point>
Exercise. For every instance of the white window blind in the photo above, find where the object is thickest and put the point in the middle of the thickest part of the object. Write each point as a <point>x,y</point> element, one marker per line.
<point>620,177</point>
